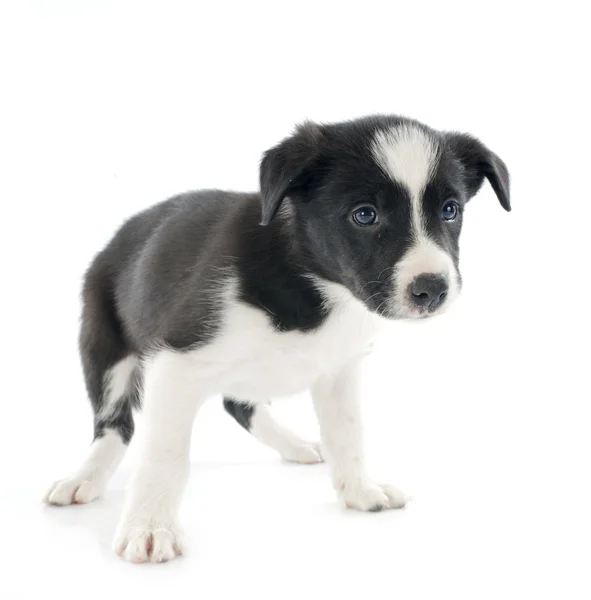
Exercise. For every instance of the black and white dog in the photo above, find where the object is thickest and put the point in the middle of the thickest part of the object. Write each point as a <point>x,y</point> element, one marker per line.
<point>259,296</point>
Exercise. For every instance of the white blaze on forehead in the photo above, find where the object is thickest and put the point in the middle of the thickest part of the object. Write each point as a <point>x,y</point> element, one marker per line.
<point>408,155</point>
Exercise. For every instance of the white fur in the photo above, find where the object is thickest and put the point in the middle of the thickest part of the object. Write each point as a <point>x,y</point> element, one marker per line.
<point>409,155</point>
<point>336,400</point>
<point>148,528</point>
<point>247,359</point>
<point>424,256</point>
<point>291,447</point>
<point>90,480</point>
<point>106,452</point>
<point>117,382</point>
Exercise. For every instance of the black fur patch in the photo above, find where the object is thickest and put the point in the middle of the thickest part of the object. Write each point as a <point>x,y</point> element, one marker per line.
<point>240,411</point>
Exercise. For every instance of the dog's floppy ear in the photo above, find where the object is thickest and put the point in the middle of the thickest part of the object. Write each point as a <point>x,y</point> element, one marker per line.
<point>480,162</point>
<point>287,168</point>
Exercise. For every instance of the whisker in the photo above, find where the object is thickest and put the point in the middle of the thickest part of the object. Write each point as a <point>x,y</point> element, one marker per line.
<point>386,269</point>
<point>372,296</point>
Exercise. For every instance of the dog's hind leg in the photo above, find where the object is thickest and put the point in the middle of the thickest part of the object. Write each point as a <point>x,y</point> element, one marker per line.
<point>259,421</point>
<point>90,480</point>
<point>111,371</point>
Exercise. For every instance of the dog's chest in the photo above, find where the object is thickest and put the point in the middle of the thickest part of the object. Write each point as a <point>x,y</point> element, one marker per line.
<point>251,360</point>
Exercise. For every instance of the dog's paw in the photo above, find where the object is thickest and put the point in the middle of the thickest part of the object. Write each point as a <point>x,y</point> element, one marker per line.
<point>307,453</point>
<point>152,541</point>
<point>367,496</point>
<point>74,490</point>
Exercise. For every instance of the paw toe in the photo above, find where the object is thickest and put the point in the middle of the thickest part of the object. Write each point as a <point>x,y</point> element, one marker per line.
<point>396,498</point>
<point>164,546</point>
<point>73,491</point>
<point>87,492</point>
<point>61,493</point>
<point>373,498</point>
<point>148,544</point>
<point>305,453</point>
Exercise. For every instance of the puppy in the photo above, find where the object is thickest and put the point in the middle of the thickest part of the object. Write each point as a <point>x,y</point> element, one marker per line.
<point>262,295</point>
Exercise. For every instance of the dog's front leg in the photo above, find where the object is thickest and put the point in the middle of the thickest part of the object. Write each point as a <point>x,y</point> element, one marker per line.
<point>148,529</point>
<point>336,401</point>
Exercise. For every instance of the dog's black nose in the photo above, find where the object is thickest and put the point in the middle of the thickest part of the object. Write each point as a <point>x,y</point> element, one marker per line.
<point>429,291</point>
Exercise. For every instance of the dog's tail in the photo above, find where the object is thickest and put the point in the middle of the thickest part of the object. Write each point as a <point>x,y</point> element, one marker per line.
<point>111,368</point>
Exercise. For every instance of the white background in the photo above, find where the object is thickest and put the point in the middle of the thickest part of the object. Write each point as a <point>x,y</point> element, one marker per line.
<point>481,415</point>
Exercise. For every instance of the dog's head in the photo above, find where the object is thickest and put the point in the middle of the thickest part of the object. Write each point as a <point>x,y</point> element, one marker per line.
<point>377,206</point>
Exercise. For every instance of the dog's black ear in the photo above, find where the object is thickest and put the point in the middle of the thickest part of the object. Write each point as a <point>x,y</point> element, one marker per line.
<point>480,162</point>
<point>288,168</point>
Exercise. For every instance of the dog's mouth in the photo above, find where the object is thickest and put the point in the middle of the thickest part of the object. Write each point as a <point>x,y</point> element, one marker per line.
<point>405,303</point>
<point>418,314</point>
<point>398,309</point>
<point>410,314</point>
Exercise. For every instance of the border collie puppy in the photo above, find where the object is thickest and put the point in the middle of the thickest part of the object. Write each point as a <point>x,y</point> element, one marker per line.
<point>256,296</point>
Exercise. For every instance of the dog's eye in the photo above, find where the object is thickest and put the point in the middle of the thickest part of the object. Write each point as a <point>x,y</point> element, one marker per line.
<point>449,211</point>
<point>365,215</point>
